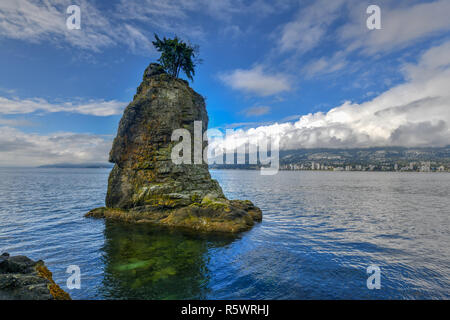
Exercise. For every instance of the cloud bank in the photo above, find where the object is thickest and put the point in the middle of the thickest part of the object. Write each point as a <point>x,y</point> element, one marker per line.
<point>21,149</point>
<point>129,23</point>
<point>99,108</point>
<point>415,113</point>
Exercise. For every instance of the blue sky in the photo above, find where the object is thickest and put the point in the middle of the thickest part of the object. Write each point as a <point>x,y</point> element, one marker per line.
<point>310,72</point>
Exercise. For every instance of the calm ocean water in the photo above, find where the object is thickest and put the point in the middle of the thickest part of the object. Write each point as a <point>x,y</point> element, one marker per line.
<point>320,232</point>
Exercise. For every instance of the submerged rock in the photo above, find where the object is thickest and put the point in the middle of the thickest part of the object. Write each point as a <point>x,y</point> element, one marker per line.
<point>145,185</point>
<point>24,279</point>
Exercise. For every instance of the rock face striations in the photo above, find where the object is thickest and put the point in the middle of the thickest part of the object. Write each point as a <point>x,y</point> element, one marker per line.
<point>24,279</point>
<point>146,186</point>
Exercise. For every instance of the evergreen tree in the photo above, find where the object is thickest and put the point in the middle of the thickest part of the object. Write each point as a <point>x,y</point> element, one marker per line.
<point>176,56</point>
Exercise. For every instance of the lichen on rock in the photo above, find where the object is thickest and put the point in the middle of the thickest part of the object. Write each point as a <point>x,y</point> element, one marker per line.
<point>24,279</point>
<point>145,185</point>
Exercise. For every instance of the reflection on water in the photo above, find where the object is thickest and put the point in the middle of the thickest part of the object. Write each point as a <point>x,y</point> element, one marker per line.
<point>146,262</point>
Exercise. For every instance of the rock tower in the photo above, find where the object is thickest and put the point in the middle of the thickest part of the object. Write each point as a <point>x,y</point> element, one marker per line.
<point>146,186</point>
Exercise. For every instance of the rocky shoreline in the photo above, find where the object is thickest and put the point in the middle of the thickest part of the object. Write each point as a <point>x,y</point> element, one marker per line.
<point>24,279</point>
<point>228,216</point>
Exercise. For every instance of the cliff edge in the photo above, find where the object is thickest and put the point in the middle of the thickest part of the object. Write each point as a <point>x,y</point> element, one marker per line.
<point>146,186</point>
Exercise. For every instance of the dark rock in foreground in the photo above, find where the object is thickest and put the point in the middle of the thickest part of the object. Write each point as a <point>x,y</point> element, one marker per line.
<point>24,279</point>
<point>146,186</point>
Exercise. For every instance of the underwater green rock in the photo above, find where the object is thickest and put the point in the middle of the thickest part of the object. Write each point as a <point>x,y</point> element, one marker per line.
<point>145,261</point>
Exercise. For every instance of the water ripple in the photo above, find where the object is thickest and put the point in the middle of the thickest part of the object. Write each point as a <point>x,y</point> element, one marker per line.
<point>321,230</point>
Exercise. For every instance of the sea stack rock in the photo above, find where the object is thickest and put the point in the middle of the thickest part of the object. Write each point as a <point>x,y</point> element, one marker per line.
<point>24,279</point>
<point>146,186</point>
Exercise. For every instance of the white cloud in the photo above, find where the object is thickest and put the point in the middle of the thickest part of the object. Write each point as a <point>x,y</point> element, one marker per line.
<point>325,65</point>
<point>15,122</point>
<point>401,26</point>
<point>233,31</point>
<point>129,23</point>
<point>256,81</point>
<point>22,149</point>
<point>256,111</point>
<point>404,23</point>
<point>168,12</point>
<point>309,26</point>
<point>45,21</point>
<point>415,113</point>
<point>185,17</point>
<point>99,108</point>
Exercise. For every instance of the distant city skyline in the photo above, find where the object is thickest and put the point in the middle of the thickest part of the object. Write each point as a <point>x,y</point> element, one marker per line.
<point>421,166</point>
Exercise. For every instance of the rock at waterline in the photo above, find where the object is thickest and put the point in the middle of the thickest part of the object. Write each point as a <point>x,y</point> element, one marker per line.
<point>146,186</point>
<point>24,279</point>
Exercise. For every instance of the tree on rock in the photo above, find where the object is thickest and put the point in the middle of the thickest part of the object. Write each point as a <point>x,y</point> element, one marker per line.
<point>177,55</point>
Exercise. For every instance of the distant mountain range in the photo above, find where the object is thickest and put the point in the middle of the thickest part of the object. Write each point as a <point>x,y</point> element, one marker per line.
<point>366,156</point>
<point>379,157</point>
<point>79,165</point>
